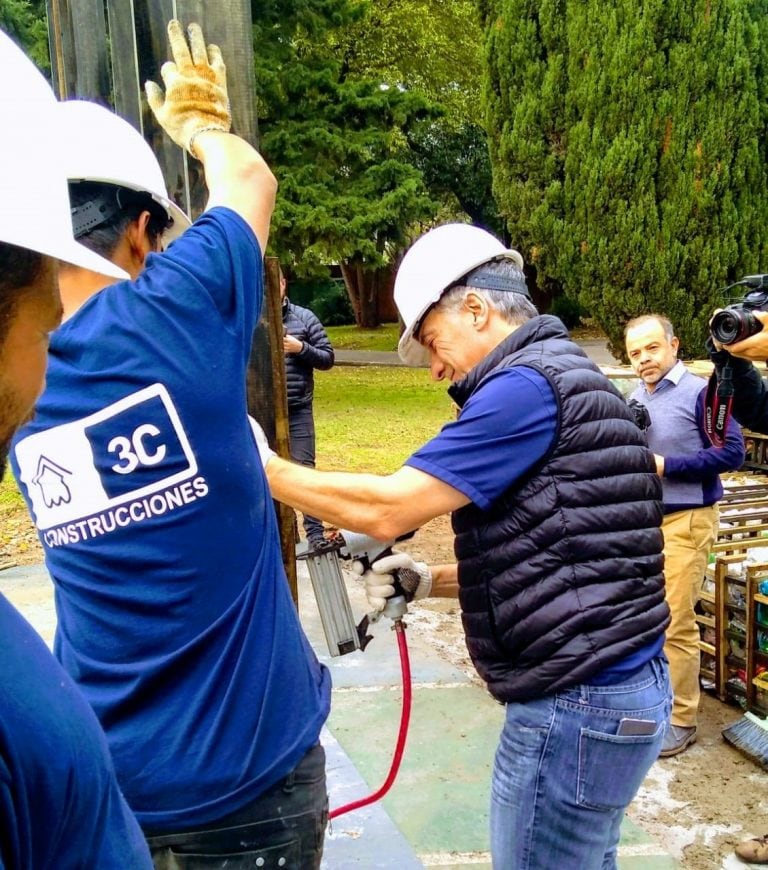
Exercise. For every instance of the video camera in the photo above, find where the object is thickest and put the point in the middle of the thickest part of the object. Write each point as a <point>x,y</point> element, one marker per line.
<point>736,322</point>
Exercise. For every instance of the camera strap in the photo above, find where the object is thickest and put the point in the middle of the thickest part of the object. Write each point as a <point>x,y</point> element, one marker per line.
<point>717,406</point>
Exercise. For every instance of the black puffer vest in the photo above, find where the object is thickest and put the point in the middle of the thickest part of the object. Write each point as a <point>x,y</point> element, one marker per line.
<point>562,577</point>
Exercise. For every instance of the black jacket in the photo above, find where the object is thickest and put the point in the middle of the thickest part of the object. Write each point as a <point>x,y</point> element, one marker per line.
<point>750,391</point>
<point>562,577</point>
<point>317,353</point>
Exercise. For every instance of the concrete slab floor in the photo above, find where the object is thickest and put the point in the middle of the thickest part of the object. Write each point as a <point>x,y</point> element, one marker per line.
<point>436,814</point>
<point>439,801</point>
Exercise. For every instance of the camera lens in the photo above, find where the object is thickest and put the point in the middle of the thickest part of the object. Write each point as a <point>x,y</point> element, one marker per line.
<point>734,325</point>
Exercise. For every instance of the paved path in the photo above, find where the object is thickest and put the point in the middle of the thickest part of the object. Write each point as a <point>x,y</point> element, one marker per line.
<point>596,349</point>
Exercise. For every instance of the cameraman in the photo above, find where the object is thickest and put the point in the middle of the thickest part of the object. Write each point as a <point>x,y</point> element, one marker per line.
<point>734,362</point>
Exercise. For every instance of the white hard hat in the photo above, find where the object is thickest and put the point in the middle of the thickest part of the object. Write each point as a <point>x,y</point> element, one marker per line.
<point>98,145</point>
<point>432,264</point>
<point>34,196</point>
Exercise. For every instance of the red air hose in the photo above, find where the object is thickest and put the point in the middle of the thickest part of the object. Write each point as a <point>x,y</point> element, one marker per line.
<point>405,667</point>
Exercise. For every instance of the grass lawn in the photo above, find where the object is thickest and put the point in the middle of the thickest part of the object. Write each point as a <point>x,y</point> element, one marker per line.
<point>385,337</point>
<point>10,498</point>
<point>371,418</point>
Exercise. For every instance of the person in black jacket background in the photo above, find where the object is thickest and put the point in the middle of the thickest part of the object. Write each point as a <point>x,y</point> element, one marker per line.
<point>307,348</point>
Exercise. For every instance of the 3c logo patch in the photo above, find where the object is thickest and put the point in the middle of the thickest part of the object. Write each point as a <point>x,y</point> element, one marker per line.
<point>130,449</point>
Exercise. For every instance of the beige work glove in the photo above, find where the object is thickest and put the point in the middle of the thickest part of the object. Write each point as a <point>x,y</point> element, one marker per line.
<point>195,88</point>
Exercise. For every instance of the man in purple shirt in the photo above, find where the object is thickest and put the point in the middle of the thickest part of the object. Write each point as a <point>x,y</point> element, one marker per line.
<point>689,467</point>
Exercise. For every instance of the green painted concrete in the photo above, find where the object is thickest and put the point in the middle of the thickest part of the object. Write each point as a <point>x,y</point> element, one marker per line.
<point>440,799</point>
<point>632,835</point>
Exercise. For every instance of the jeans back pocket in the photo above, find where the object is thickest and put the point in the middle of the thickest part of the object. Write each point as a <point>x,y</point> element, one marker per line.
<point>612,766</point>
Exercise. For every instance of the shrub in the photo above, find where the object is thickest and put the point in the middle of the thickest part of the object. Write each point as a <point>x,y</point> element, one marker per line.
<point>568,310</point>
<point>326,297</point>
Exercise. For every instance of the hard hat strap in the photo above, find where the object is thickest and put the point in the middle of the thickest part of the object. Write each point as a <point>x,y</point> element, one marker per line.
<point>484,278</point>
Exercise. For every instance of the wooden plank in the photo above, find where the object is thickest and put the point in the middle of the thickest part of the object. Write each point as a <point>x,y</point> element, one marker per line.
<point>151,19</point>
<point>721,621</point>
<point>124,52</point>
<point>751,639</point>
<point>78,40</point>
<point>59,42</point>
<point>737,546</point>
<point>752,529</point>
<point>267,402</point>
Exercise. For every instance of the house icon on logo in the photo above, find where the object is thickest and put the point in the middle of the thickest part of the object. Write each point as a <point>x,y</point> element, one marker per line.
<point>50,479</point>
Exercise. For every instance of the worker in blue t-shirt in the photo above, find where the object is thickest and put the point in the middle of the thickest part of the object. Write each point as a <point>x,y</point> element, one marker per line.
<point>141,471</point>
<point>556,510</point>
<point>60,804</point>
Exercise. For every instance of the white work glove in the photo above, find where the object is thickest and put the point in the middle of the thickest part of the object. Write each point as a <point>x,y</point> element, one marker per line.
<point>415,578</point>
<point>265,451</point>
<point>195,98</point>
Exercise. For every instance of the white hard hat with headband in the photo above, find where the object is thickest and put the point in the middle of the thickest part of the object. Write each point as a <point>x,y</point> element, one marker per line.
<point>34,196</point>
<point>437,261</point>
<point>98,145</point>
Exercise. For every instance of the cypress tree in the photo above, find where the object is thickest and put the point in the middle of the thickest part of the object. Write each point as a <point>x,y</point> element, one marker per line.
<point>663,177</point>
<point>524,102</point>
<point>24,21</point>
<point>607,250</point>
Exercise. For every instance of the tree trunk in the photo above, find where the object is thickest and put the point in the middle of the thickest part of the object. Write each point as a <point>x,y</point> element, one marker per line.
<point>363,288</point>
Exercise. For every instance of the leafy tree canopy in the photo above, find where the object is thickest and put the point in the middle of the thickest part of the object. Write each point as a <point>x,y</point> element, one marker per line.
<point>25,22</point>
<point>338,144</point>
<point>420,45</point>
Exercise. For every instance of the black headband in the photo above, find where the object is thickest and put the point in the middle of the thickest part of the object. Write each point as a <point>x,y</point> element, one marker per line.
<point>483,278</point>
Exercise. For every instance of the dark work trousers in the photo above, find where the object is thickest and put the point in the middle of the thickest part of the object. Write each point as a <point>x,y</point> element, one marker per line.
<point>283,828</point>
<point>302,437</point>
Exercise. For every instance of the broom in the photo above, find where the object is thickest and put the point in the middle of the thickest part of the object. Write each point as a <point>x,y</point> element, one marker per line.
<point>750,736</point>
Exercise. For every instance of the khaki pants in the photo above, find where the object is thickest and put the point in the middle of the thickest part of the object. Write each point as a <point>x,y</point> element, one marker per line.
<point>688,535</point>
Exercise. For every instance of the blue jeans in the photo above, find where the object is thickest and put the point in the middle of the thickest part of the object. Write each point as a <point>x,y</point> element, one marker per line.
<point>284,827</point>
<point>563,777</point>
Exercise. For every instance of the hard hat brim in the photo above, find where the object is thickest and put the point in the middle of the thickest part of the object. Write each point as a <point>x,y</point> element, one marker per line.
<point>410,351</point>
<point>30,174</point>
<point>72,252</point>
<point>181,221</point>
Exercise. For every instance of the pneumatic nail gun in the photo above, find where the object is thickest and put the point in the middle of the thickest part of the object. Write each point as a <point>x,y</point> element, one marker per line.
<point>341,633</point>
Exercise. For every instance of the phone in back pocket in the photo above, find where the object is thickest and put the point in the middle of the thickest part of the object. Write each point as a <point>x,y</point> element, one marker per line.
<point>637,727</point>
